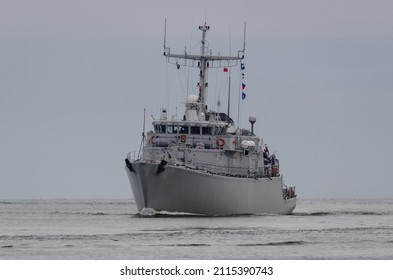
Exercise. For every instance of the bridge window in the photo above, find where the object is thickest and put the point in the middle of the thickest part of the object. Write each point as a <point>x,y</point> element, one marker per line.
<point>206,131</point>
<point>219,130</point>
<point>195,130</point>
<point>160,128</point>
<point>183,129</point>
<point>171,129</point>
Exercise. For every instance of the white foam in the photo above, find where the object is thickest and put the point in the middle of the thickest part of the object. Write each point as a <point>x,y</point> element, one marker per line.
<point>148,212</point>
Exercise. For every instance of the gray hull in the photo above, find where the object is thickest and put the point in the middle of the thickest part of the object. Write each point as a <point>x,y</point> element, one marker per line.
<point>178,189</point>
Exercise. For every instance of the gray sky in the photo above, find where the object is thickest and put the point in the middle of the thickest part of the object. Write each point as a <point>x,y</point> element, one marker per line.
<point>75,76</point>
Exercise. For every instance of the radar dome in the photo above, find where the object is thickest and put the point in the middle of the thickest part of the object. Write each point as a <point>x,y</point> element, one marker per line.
<point>192,99</point>
<point>252,119</point>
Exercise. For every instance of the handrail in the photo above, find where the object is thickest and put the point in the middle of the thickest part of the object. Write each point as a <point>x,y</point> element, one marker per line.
<point>235,171</point>
<point>267,170</point>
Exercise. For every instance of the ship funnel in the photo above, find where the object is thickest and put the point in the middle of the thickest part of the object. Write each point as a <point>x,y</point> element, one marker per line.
<point>252,120</point>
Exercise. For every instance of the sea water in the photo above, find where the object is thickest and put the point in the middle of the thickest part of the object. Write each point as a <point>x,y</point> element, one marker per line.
<point>112,229</point>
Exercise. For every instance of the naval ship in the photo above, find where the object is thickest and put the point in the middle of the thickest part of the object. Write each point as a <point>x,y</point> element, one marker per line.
<point>201,163</point>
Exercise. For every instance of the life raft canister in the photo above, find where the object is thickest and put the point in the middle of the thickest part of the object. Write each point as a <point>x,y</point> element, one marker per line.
<point>183,138</point>
<point>220,142</point>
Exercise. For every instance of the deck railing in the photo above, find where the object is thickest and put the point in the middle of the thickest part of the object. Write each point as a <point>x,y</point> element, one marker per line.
<point>156,154</point>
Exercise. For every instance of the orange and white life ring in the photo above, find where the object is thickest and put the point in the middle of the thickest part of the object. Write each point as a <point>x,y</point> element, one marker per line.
<point>220,142</point>
<point>183,138</point>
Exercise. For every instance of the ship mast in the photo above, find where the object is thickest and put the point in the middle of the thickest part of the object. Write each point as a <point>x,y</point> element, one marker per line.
<point>203,65</point>
<point>203,61</point>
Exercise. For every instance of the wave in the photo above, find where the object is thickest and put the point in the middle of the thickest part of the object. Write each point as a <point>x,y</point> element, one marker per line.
<point>348,230</point>
<point>283,243</point>
<point>80,201</point>
<point>68,237</point>
<point>150,213</point>
<point>81,213</point>
<point>335,213</point>
<point>89,213</point>
<point>184,245</point>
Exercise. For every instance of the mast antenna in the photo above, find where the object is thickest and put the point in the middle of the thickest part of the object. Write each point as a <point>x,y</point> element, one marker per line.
<point>166,49</point>
<point>244,38</point>
<point>204,60</point>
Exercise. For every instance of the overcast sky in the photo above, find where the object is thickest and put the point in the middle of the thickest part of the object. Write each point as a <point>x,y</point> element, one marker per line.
<point>75,76</point>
